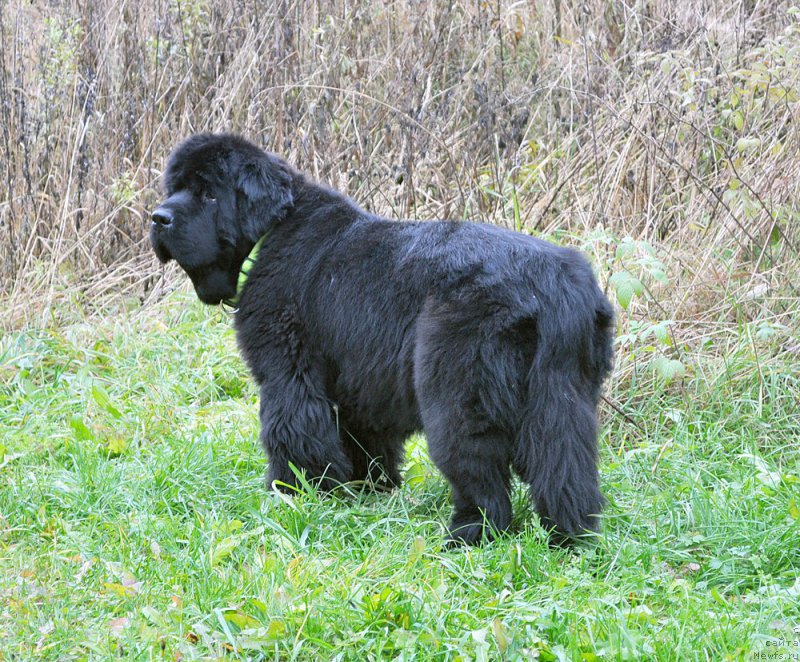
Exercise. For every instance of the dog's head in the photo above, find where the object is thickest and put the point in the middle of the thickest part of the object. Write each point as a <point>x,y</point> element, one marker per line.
<point>223,194</point>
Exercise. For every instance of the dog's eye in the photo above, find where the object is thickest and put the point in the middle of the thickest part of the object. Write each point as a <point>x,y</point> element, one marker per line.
<point>207,197</point>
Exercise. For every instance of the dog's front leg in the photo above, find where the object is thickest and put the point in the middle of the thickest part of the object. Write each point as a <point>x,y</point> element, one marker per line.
<point>297,429</point>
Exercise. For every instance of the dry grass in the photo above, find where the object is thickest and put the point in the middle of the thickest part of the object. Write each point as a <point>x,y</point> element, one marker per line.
<point>668,122</point>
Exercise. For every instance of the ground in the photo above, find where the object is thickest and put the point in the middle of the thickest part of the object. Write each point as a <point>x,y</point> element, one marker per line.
<point>134,521</point>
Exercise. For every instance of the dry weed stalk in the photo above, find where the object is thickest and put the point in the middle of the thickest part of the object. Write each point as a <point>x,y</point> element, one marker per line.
<point>669,122</point>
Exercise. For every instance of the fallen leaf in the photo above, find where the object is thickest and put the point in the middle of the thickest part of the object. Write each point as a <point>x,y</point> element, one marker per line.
<point>500,634</point>
<point>130,582</point>
<point>117,625</point>
<point>84,569</point>
<point>241,620</point>
<point>223,548</point>
<point>120,590</point>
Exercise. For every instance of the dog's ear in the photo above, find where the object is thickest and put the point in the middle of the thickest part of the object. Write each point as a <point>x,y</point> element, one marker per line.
<point>264,192</point>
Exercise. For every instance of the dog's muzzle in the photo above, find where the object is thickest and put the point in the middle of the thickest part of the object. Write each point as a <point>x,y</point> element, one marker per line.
<point>158,228</point>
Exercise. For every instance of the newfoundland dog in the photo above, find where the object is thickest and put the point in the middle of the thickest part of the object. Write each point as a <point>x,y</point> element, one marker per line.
<point>361,330</point>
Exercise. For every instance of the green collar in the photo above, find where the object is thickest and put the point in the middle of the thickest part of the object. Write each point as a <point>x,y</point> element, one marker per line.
<point>244,272</point>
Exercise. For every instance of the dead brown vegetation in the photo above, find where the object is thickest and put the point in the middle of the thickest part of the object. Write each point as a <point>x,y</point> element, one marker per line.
<point>672,123</point>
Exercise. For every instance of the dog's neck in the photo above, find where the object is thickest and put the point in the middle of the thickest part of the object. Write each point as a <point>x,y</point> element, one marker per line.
<point>244,270</point>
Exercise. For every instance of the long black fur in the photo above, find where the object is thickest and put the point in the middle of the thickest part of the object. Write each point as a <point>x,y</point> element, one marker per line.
<point>361,331</point>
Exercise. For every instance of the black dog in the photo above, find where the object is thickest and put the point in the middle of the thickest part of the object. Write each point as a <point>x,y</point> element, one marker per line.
<point>360,331</point>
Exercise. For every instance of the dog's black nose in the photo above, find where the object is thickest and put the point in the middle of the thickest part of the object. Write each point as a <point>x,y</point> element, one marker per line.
<point>162,217</point>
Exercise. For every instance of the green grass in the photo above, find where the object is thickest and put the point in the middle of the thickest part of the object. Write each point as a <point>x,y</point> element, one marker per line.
<point>134,522</point>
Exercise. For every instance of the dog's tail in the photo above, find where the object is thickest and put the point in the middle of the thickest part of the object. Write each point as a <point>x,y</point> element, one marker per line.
<point>557,444</point>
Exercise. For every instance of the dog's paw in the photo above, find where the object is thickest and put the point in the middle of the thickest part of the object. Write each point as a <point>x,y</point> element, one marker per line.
<point>461,533</point>
<point>557,538</point>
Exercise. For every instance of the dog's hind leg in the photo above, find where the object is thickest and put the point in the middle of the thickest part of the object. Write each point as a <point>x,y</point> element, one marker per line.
<point>476,464</point>
<point>464,409</point>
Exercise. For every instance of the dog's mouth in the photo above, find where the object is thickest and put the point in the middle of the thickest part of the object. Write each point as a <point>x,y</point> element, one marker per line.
<point>161,251</point>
